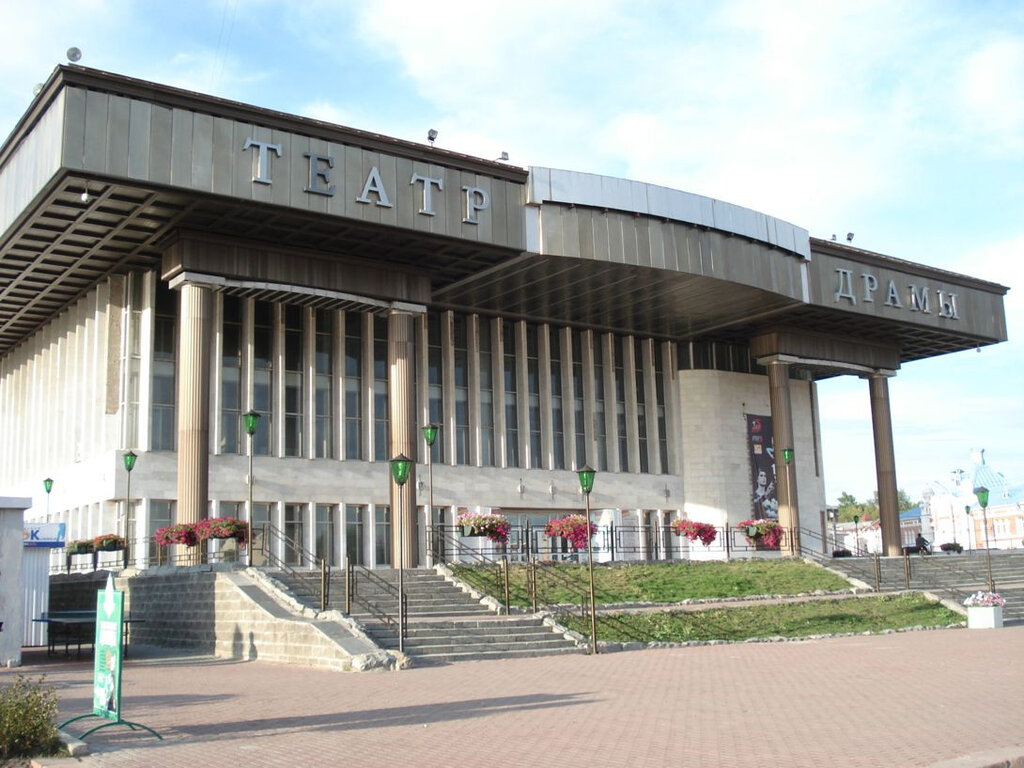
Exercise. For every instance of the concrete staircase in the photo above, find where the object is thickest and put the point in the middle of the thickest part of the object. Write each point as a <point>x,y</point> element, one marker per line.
<point>444,624</point>
<point>944,574</point>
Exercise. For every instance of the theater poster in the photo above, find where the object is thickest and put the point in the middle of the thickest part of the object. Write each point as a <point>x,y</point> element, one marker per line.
<point>763,499</point>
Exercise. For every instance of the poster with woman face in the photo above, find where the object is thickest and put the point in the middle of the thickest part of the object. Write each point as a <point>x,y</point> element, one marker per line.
<point>764,502</point>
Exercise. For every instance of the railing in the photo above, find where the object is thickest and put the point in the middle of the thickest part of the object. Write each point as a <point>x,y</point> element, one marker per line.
<point>447,548</point>
<point>317,576</point>
<point>951,566</point>
<point>353,574</point>
<point>540,576</point>
<point>612,543</point>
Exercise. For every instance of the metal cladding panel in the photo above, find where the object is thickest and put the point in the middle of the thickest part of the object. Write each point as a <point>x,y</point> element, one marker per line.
<point>31,165</point>
<point>123,137</point>
<point>927,298</point>
<point>619,238</point>
<point>604,192</point>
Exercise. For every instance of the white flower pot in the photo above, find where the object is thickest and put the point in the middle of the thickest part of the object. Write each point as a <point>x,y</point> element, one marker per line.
<point>984,616</point>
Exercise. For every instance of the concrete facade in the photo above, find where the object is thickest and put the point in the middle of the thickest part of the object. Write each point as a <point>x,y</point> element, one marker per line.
<point>170,261</point>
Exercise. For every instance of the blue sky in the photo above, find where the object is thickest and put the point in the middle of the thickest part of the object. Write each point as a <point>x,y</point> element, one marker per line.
<point>902,122</point>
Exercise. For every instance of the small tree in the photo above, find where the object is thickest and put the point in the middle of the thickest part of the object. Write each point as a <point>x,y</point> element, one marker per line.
<point>27,713</point>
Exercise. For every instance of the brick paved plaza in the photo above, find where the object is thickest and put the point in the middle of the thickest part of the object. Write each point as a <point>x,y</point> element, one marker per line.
<point>907,699</point>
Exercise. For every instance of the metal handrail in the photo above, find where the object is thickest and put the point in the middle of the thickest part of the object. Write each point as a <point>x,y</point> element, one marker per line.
<point>450,542</point>
<point>353,573</point>
<point>321,586</point>
<point>934,561</point>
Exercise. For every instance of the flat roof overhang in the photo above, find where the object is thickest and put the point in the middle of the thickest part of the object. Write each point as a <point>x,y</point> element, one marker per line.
<point>63,245</point>
<point>60,244</point>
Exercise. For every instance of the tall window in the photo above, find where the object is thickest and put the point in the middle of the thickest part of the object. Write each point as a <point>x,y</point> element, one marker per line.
<point>600,426</point>
<point>533,395</point>
<point>511,403</point>
<point>620,405</point>
<point>323,533</point>
<point>354,514</point>
<point>486,394</point>
<point>324,396</point>
<point>380,389</point>
<point>135,289</point>
<point>382,522</point>
<point>293,531</point>
<point>579,412</point>
<point>435,401</point>
<point>461,349</point>
<point>661,460</point>
<point>353,386</point>
<point>162,426</point>
<point>263,375</point>
<point>641,404</point>
<point>260,518</point>
<point>557,432</point>
<point>231,376</point>
<point>160,515</point>
<point>293,380</point>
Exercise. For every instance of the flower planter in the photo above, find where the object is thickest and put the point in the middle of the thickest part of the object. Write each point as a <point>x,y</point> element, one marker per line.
<point>984,616</point>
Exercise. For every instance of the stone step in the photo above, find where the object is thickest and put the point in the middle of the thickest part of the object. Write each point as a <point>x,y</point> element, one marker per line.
<point>449,658</point>
<point>414,647</point>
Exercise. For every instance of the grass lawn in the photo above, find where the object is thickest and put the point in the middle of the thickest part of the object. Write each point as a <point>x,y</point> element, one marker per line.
<point>656,583</point>
<point>784,620</point>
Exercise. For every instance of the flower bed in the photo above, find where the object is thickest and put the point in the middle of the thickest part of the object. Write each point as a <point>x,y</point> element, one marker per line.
<point>765,533</point>
<point>182,533</point>
<point>574,528</point>
<point>694,530</point>
<point>109,542</point>
<point>951,546</point>
<point>494,527</point>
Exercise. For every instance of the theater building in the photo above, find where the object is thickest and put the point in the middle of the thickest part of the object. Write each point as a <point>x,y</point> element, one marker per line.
<point>170,261</point>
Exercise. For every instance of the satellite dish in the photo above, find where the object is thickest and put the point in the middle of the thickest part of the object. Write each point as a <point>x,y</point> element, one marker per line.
<point>74,54</point>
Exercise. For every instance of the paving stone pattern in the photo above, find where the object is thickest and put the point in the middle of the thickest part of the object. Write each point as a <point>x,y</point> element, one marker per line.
<point>907,699</point>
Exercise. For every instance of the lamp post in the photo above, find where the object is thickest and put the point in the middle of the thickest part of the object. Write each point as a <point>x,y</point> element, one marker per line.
<point>48,486</point>
<point>787,458</point>
<point>586,476</point>
<point>400,467</point>
<point>982,493</point>
<point>856,534</point>
<point>252,422</point>
<point>129,464</point>
<point>429,436</point>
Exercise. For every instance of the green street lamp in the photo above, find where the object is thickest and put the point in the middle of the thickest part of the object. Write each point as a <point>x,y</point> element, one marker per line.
<point>787,458</point>
<point>982,493</point>
<point>129,459</point>
<point>252,423</point>
<point>429,437</point>
<point>586,475</point>
<point>401,467</point>
<point>48,486</point>
<point>856,533</point>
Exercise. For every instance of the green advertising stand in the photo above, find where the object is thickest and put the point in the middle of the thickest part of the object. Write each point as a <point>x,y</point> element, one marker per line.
<point>106,681</point>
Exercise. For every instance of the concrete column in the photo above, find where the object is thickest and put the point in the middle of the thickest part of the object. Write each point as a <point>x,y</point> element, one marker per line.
<point>194,345</point>
<point>885,464</point>
<point>782,435</point>
<point>402,431</point>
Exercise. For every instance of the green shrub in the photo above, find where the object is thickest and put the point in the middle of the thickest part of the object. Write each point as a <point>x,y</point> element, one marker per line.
<point>27,713</point>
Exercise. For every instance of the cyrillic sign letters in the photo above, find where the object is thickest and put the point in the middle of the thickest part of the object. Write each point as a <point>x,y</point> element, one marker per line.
<point>373,191</point>
<point>918,297</point>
